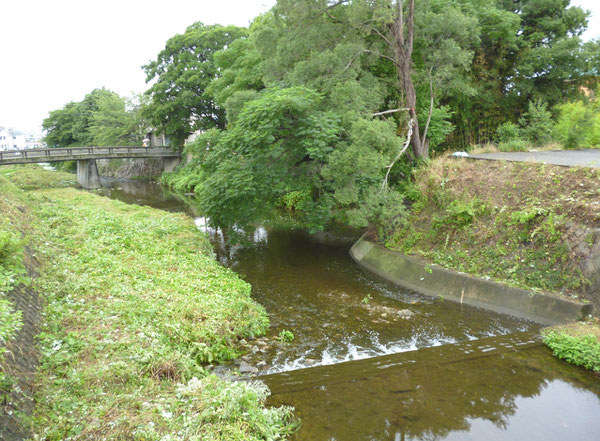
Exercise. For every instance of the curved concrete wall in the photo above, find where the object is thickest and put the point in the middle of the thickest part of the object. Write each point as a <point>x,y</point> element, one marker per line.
<point>436,281</point>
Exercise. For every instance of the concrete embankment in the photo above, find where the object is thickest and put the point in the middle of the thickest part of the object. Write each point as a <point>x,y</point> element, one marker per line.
<point>433,280</point>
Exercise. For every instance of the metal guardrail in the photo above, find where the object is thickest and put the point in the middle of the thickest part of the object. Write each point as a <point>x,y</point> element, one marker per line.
<point>74,153</point>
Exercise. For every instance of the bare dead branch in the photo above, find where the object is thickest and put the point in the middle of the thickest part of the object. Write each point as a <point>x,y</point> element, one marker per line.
<point>384,184</point>
<point>381,56</point>
<point>431,94</point>
<point>403,109</point>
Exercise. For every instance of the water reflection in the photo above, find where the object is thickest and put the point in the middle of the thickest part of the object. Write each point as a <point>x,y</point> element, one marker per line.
<point>500,388</point>
<point>337,311</point>
<point>141,193</point>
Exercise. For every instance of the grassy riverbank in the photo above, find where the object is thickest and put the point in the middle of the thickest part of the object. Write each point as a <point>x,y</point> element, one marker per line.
<point>527,225</point>
<point>135,304</point>
<point>578,343</point>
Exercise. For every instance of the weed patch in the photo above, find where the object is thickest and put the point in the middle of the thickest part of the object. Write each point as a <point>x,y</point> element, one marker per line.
<point>577,344</point>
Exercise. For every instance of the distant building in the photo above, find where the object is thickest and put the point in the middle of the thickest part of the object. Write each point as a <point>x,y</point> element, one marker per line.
<point>13,140</point>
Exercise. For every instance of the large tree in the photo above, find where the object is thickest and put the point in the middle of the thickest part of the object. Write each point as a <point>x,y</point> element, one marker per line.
<point>179,77</point>
<point>70,126</point>
<point>117,121</point>
<point>427,43</point>
<point>102,118</point>
<point>301,130</point>
<point>529,50</point>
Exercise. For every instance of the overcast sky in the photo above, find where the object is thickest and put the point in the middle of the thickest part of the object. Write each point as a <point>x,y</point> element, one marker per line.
<point>56,51</point>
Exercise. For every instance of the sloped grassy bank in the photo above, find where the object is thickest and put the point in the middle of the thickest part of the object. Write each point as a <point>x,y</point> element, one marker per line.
<point>527,225</point>
<point>531,226</point>
<point>135,304</point>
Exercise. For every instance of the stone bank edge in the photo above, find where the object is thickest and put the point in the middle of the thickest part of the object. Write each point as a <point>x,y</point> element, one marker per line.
<point>436,281</point>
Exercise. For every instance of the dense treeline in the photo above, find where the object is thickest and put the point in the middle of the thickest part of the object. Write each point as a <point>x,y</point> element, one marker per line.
<point>312,105</point>
<point>102,118</point>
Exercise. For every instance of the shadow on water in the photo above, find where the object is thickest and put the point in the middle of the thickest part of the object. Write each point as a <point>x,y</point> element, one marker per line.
<point>475,376</point>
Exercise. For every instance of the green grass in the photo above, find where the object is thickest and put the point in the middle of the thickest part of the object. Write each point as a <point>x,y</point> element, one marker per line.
<point>136,304</point>
<point>581,350</point>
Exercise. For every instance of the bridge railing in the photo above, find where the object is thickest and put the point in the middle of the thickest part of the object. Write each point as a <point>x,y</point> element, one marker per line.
<point>78,151</point>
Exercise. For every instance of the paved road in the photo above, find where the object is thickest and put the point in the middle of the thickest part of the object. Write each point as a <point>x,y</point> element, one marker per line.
<point>570,158</point>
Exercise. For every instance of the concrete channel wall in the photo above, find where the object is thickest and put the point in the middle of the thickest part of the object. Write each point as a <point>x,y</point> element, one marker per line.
<point>436,281</point>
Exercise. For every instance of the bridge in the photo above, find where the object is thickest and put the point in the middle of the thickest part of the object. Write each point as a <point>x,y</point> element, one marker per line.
<point>87,170</point>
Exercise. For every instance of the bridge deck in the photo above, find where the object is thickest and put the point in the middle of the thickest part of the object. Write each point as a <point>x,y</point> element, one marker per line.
<point>10,157</point>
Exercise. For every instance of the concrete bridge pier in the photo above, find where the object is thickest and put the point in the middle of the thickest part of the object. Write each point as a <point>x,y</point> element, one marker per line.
<point>171,163</point>
<point>87,174</point>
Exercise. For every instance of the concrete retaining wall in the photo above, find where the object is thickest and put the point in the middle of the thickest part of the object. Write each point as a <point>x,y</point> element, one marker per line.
<point>434,280</point>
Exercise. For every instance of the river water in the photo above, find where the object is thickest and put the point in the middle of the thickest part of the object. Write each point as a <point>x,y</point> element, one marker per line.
<point>373,361</point>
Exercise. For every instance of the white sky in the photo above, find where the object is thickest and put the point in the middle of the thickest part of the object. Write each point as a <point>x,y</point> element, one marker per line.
<point>56,51</point>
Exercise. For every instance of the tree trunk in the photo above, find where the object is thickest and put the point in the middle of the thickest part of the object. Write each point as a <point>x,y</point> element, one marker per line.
<point>403,60</point>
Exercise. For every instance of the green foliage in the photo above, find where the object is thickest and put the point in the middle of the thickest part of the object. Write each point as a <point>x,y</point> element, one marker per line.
<point>116,122</point>
<point>578,124</point>
<point>101,118</point>
<point>519,41</point>
<point>135,304</point>
<point>366,299</point>
<point>581,351</point>
<point>461,213</point>
<point>285,336</point>
<point>12,273</point>
<point>508,132</point>
<point>440,127</point>
<point>181,73</point>
<point>516,145</point>
<point>475,64</point>
<point>277,145</point>
<point>536,123</point>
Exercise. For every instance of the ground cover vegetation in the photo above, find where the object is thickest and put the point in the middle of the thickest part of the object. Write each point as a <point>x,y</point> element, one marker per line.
<point>12,273</point>
<point>577,343</point>
<point>136,304</point>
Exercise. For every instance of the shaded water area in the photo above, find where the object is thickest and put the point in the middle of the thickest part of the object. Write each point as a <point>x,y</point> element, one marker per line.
<point>373,361</point>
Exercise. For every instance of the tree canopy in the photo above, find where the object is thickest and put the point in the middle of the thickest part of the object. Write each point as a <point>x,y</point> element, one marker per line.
<point>179,78</point>
<point>102,118</point>
<point>316,100</point>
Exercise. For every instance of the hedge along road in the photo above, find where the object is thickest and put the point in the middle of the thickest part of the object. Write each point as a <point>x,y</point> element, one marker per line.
<point>475,374</point>
<point>567,158</point>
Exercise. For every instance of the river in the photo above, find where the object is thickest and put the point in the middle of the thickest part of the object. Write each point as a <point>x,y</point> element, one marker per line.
<point>373,361</point>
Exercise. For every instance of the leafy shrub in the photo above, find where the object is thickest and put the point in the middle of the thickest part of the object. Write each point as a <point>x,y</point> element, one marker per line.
<point>536,123</point>
<point>508,132</point>
<point>286,336</point>
<point>516,145</point>
<point>463,213</point>
<point>439,126</point>
<point>578,125</point>
<point>581,351</point>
